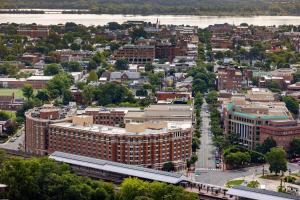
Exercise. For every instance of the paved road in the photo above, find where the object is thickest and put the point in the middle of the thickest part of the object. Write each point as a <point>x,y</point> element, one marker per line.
<point>206,153</point>
<point>14,145</point>
<point>220,178</point>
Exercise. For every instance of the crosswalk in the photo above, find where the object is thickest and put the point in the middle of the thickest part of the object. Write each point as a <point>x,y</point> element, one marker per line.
<point>207,169</point>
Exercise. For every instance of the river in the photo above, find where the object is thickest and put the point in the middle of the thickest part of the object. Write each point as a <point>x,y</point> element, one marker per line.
<point>93,19</point>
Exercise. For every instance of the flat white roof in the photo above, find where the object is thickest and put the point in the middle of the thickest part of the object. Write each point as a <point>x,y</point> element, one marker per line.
<point>259,194</point>
<point>114,167</point>
<point>39,78</point>
<point>11,79</point>
<point>116,130</point>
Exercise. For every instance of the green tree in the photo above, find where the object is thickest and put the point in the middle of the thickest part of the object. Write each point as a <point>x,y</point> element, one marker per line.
<point>114,26</point>
<point>237,159</point>
<point>132,188</point>
<point>156,79</point>
<point>112,93</point>
<point>291,104</point>
<point>274,86</point>
<point>294,148</point>
<point>138,33</point>
<point>59,84</point>
<point>267,144</point>
<point>212,97</point>
<point>27,91</point>
<point>92,65</point>
<point>168,166</point>
<point>52,69</point>
<point>4,115</point>
<point>75,47</point>
<point>296,77</point>
<point>141,92</point>
<point>121,64</point>
<point>198,100</point>
<point>88,94</point>
<point>43,95</point>
<point>11,127</point>
<point>277,160</point>
<point>253,184</point>
<point>93,77</point>
<point>149,67</point>
<point>72,66</point>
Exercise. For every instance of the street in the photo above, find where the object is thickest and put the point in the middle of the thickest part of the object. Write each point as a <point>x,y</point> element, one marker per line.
<point>206,153</point>
<point>15,144</point>
<point>220,178</point>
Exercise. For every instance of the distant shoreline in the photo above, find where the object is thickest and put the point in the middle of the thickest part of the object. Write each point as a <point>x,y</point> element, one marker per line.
<point>87,11</point>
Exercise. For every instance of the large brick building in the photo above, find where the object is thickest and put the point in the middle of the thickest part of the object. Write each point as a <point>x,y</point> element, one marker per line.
<point>150,144</point>
<point>282,131</point>
<point>136,54</point>
<point>108,116</point>
<point>168,51</point>
<point>33,31</point>
<point>10,103</point>
<point>37,126</point>
<point>162,95</point>
<point>229,79</point>
<point>37,82</point>
<point>245,118</point>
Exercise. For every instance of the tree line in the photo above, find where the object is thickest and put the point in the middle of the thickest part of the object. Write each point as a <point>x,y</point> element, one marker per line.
<point>203,7</point>
<point>45,179</point>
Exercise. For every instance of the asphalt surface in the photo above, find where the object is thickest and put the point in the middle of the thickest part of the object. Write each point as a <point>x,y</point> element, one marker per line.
<point>14,145</point>
<point>220,178</point>
<point>206,153</point>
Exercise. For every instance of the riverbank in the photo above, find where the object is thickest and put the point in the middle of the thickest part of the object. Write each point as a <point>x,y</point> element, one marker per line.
<point>95,19</point>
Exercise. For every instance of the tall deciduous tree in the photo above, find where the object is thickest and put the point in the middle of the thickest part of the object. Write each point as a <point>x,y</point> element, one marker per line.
<point>52,69</point>
<point>267,144</point>
<point>27,91</point>
<point>294,148</point>
<point>277,160</point>
<point>121,64</point>
<point>291,104</point>
<point>93,77</point>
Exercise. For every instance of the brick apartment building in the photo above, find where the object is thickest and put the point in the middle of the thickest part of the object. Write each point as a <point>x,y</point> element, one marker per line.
<point>37,126</point>
<point>150,144</point>
<point>163,96</point>
<point>37,82</point>
<point>229,79</point>
<point>168,51</point>
<point>136,54</point>
<point>10,103</point>
<point>282,131</point>
<point>30,58</point>
<point>108,116</point>
<point>33,31</point>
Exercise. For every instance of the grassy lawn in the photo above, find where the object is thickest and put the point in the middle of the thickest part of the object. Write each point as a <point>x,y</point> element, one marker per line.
<point>232,183</point>
<point>271,177</point>
<point>8,92</point>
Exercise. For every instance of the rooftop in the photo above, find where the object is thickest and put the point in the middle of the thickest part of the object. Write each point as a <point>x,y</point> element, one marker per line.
<point>119,168</point>
<point>106,109</point>
<point>259,194</point>
<point>39,78</point>
<point>96,128</point>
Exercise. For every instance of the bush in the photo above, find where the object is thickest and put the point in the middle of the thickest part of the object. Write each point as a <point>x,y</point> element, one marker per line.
<point>290,179</point>
<point>257,157</point>
<point>253,184</point>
